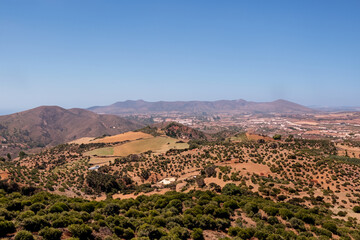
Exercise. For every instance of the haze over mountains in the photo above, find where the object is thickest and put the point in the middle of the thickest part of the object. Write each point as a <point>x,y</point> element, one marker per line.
<point>221,106</point>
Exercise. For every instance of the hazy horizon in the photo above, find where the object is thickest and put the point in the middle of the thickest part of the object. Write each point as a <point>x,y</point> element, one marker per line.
<point>11,111</point>
<point>87,53</point>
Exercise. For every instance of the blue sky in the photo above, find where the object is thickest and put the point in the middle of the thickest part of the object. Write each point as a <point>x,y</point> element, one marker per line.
<point>84,53</point>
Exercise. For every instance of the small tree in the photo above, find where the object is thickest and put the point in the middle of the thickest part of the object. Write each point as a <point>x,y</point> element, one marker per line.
<point>277,137</point>
<point>356,209</point>
<point>22,154</point>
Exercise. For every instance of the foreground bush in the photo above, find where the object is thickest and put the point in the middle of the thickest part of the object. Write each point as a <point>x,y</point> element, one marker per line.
<point>197,234</point>
<point>82,231</point>
<point>24,235</point>
<point>50,233</point>
<point>172,215</point>
<point>6,227</point>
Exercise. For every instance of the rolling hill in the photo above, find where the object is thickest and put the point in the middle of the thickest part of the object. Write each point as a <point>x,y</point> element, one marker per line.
<point>51,125</point>
<point>221,106</point>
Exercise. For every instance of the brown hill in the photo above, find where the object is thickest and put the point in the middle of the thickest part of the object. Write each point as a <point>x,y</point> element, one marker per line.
<point>177,130</point>
<point>50,125</point>
<point>183,132</point>
<point>222,106</point>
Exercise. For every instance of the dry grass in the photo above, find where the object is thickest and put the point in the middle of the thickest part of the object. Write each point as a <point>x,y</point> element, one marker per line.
<point>128,136</point>
<point>101,160</point>
<point>84,140</point>
<point>344,150</point>
<point>241,137</point>
<point>255,137</point>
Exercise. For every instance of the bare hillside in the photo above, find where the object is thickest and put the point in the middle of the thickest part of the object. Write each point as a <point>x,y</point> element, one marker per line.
<point>51,125</point>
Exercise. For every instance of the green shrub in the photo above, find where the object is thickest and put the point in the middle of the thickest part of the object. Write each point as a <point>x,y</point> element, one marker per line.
<point>261,235</point>
<point>134,213</point>
<point>297,223</point>
<point>330,226</point>
<point>150,231</point>
<point>24,235</point>
<point>232,204</point>
<point>35,223</point>
<point>88,207</point>
<point>6,227</point>
<point>233,231</point>
<point>231,189</point>
<point>26,214</point>
<point>37,207</point>
<point>179,232</point>
<point>5,214</point>
<point>176,203</point>
<point>59,207</point>
<point>342,213</point>
<point>14,205</point>
<point>356,209</point>
<point>221,213</point>
<point>321,232</point>
<point>159,221</point>
<point>82,231</point>
<point>61,222</point>
<point>246,233</point>
<point>207,222</point>
<point>111,209</point>
<point>251,207</point>
<point>286,214</point>
<point>271,211</point>
<point>128,234</point>
<point>197,234</point>
<point>277,137</point>
<point>305,216</point>
<point>50,233</point>
<point>119,231</point>
<point>272,220</point>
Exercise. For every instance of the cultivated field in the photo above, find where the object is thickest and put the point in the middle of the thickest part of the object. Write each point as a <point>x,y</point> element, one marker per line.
<point>159,144</point>
<point>107,151</point>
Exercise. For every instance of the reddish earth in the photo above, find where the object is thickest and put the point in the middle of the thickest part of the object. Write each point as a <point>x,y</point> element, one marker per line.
<point>4,175</point>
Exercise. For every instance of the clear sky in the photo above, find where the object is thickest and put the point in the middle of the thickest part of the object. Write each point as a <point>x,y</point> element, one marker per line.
<point>75,53</point>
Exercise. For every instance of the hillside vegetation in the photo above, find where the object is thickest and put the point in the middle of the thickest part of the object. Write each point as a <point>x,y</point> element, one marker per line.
<point>234,213</point>
<point>243,187</point>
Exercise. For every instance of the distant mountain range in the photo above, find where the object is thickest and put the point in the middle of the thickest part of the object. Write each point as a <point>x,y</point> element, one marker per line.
<point>336,109</point>
<point>51,125</point>
<point>221,106</point>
